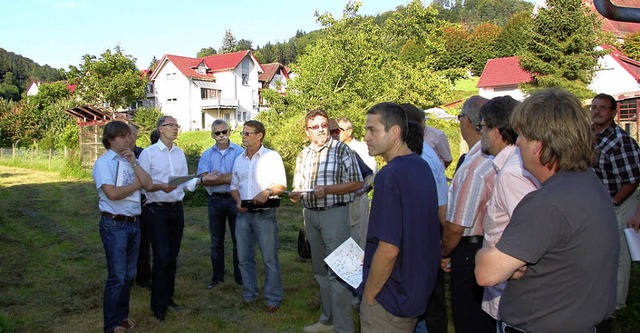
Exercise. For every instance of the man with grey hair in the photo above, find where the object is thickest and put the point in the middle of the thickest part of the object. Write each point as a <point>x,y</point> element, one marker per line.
<point>217,162</point>
<point>463,230</point>
<point>164,201</point>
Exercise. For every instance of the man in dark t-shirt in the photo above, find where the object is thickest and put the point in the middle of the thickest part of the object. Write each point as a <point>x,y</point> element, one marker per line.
<point>560,250</point>
<point>402,252</point>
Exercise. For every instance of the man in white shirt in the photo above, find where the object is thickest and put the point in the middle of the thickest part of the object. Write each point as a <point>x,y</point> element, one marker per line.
<point>258,174</point>
<point>162,160</point>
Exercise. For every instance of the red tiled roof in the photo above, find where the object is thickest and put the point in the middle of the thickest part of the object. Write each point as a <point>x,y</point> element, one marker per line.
<point>215,63</point>
<point>503,72</point>
<point>631,66</point>
<point>270,70</point>
<point>619,29</point>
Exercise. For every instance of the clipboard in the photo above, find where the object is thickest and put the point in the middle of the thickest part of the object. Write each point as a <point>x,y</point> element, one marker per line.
<point>270,203</point>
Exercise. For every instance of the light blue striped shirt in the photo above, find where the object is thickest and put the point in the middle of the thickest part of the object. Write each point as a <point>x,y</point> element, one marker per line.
<point>215,160</point>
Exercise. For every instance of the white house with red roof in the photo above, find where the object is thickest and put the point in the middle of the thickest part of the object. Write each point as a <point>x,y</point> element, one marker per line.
<point>617,74</point>
<point>196,91</point>
<point>275,77</point>
<point>501,77</point>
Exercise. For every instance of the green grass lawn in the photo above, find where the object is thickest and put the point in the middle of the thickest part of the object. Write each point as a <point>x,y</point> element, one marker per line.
<point>52,268</point>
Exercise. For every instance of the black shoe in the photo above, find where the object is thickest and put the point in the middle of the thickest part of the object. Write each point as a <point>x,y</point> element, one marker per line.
<point>175,306</point>
<point>213,284</point>
<point>239,282</point>
<point>160,317</point>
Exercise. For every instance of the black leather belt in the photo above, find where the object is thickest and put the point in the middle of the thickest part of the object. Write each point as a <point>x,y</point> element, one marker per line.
<point>120,218</point>
<point>220,195</point>
<point>167,204</point>
<point>341,204</point>
<point>471,239</point>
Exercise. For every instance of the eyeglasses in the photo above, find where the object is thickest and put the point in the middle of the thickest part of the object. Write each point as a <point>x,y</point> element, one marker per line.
<point>460,116</point>
<point>335,131</point>
<point>600,107</point>
<point>480,126</point>
<point>216,133</point>
<point>247,133</point>
<point>317,127</point>
<point>174,125</point>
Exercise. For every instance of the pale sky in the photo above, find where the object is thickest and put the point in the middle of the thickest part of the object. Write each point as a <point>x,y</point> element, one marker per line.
<point>60,32</point>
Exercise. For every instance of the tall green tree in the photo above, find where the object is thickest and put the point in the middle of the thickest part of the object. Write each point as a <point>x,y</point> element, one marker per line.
<point>483,45</point>
<point>229,43</point>
<point>515,35</point>
<point>346,71</point>
<point>560,51</point>
<point>112,79</point>
<point>206,51</point>
<point>631,46</point>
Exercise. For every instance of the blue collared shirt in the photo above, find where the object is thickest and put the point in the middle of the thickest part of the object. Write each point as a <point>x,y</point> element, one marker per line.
<point>222,161</point>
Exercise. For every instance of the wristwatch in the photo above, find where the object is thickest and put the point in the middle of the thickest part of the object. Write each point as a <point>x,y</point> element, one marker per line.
<point>270,191</point>
<point>615,204</point>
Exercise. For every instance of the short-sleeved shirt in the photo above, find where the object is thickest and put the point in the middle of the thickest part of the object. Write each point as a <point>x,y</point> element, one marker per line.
<point>567,234</point>
<point>105,171</point>
<point>513,182</point>
<point>437,168</point>
<point>439,142</point>
<point>404,213</point>
<point>331,164</point>
<point>160,163</point>
<point>213,159</point>
<point>363,151</point>
<point>470,190</point>
<point>618,159</point>
<point>251,176</point>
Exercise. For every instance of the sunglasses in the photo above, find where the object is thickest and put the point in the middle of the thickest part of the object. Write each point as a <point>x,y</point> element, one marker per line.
<point>247,133</point>
<point>216,133</point>
<point>174,125</point>
<point>317,127</point>
<point>335,131</point>
<point>480,126</point>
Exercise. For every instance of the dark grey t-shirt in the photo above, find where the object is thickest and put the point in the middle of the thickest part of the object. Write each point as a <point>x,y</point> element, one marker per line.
<point>567,233</point>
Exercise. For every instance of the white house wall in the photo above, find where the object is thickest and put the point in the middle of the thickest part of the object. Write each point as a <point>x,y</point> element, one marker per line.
<point>612,78</point>
<point>171,84</point>
<point>491,92</point>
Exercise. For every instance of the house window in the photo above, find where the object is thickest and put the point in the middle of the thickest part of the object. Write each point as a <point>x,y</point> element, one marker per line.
<point>628,110</point>
<point>171,76</point>
<point>172,100</point>
<point>245,72</point>
<point>206,93</point>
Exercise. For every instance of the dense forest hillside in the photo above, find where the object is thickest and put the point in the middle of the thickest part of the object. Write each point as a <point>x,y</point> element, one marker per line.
<point>17,72</point>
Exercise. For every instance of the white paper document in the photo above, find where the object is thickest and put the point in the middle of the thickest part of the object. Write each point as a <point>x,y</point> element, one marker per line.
<point>633,241</point>
<point>177,180</point>
<point>125,176</point>
<point>346,261</point>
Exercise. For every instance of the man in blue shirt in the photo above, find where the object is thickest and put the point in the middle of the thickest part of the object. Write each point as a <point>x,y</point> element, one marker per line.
<point>402,252</point>
<point>217,162</point>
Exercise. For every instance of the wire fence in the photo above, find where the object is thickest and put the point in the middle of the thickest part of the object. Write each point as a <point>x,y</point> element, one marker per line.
<point>47,159</point>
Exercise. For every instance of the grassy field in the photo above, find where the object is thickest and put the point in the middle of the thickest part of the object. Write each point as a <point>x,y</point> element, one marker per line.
<point>52,269</point>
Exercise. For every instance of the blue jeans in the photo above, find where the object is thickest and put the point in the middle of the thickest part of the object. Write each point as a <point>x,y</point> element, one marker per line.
<point>222,210</point>
<point>121,241</point>
<point>259,227</point>
<point>167,226</point>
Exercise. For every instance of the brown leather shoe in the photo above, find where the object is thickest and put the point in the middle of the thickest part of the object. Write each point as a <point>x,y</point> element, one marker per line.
<point>271,309</point>
<point>128,323</point>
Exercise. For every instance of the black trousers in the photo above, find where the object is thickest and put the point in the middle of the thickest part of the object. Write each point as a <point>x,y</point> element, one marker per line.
<point>466,294</point>
<point>167,226</point>
<point>436,317</point>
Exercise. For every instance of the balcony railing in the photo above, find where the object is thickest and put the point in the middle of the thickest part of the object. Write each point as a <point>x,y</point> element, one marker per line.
<point>214,103</point>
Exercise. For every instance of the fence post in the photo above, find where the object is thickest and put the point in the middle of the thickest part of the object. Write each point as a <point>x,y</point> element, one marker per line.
<point>13,151</point>
<point>50,155</point>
